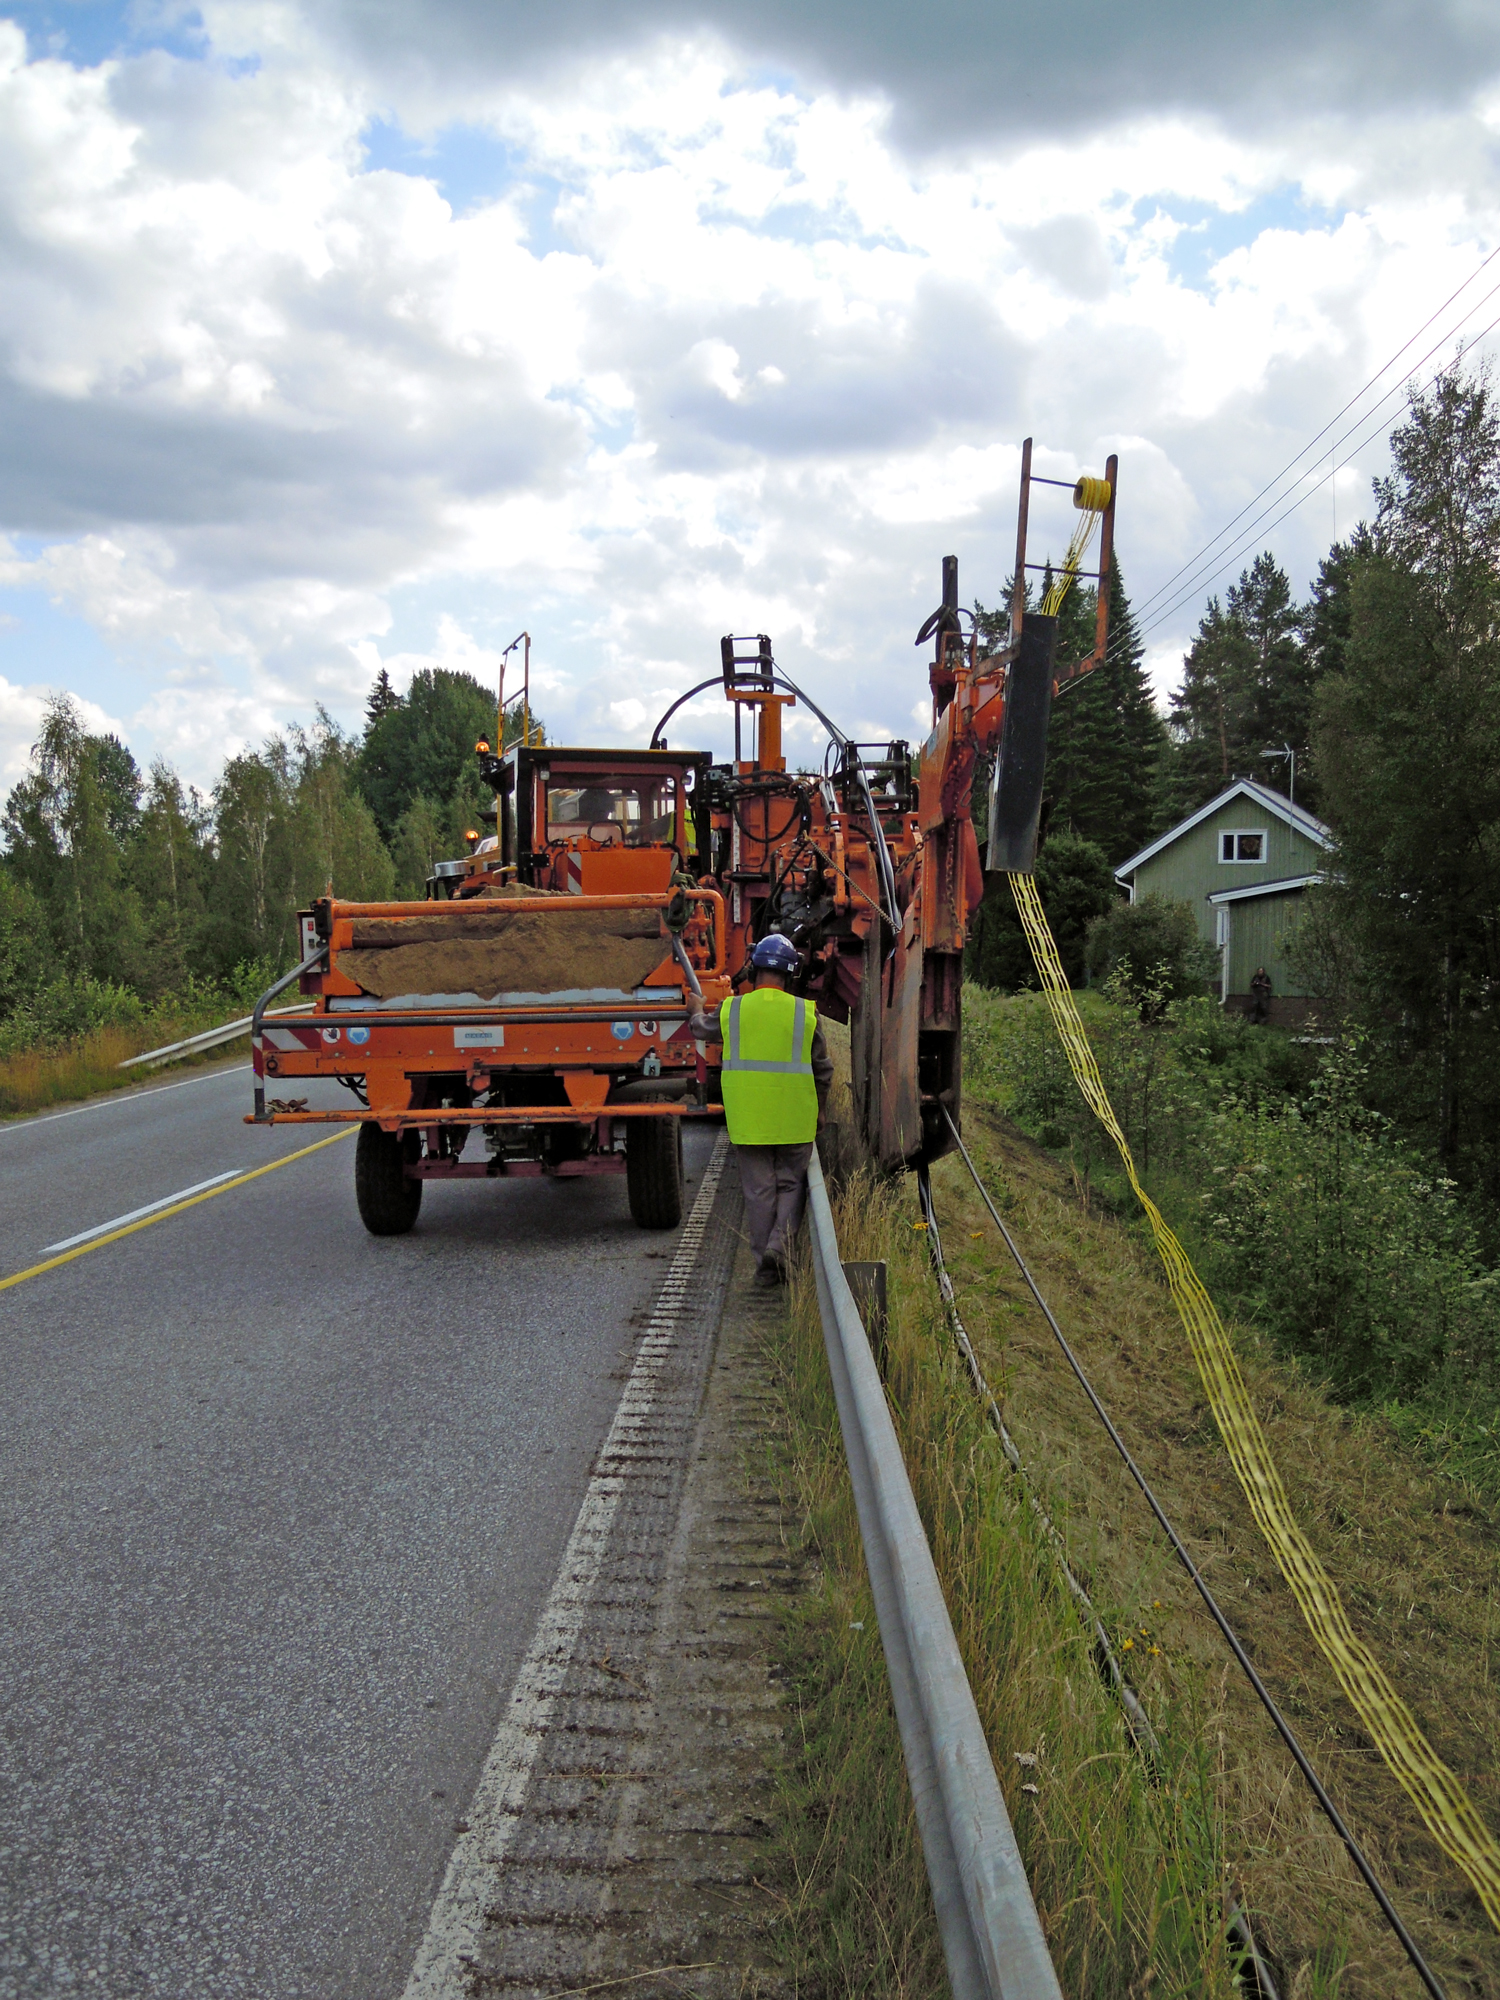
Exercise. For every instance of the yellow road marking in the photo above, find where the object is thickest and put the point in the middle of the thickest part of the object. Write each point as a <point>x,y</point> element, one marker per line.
<point>150,1221</point>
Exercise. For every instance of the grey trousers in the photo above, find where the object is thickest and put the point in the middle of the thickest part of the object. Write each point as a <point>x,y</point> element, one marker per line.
<point>774,1179</point>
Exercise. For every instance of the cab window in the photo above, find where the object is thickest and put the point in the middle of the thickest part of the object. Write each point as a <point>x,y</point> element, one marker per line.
<point>614,811</point>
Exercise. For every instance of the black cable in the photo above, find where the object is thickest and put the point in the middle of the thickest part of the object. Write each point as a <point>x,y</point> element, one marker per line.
<point>798,811</point>
<point>1203,580</point>
<point>1284,1728</point>
<point>1137,1722</point>
<point>1385,396</point>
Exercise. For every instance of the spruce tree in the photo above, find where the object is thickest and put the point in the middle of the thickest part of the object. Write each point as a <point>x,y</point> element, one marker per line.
<point>1105,741</point>
<point>381,700</point>
<point>1407,743</point>
<point>1246,687</point>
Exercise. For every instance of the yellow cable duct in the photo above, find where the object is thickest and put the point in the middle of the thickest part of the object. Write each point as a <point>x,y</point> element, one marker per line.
<point>1445,1806</point>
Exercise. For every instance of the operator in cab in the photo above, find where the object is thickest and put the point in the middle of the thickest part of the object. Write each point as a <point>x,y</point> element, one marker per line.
<point>776,1072</point>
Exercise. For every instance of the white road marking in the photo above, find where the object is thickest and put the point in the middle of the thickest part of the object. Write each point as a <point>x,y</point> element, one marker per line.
<point>123,1097</point>
<point>441,1968</point>
<point>119,1222</point>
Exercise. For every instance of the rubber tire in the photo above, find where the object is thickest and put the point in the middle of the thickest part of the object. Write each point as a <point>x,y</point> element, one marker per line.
<point>388,1201</point>
<point>653,1172</point>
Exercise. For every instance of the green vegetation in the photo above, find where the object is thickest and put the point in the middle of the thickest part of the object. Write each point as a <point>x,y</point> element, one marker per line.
<point>1126,1873</point>
<point>1129,1875</point>
<point>1151,947</point>
<point>133,910</point>
<point>1307,1213</point>
<point>1354,1211</point>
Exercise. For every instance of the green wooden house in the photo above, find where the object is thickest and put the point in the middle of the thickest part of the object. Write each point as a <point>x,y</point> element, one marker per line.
<point>1244,862</point>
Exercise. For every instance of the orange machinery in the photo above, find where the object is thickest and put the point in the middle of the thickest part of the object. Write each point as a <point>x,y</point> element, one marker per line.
<point>540,993</point>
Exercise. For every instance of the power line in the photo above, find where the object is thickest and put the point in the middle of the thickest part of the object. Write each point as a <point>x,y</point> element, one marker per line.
<point>1384,367</point>
<point>1203,578</point>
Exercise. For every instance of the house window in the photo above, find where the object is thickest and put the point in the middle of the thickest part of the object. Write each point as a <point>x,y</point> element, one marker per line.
<point>1243,845</point>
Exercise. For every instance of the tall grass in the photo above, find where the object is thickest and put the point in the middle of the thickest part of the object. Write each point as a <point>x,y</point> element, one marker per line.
<point>68,1039</point>
<point>36,1078</point>
<point>1126,1872</point>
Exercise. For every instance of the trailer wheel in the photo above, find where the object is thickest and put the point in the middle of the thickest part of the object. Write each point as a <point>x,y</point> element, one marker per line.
<point>388,1201</point>
<point>653,1171</point>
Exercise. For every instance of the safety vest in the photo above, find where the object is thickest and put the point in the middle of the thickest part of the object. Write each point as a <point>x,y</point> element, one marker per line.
<point>770,1098</point>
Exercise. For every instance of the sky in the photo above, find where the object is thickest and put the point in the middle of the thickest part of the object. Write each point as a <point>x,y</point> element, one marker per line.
<point>340,335</point>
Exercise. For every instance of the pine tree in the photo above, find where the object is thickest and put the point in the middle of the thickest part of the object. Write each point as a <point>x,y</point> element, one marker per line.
<point>1261,604</point>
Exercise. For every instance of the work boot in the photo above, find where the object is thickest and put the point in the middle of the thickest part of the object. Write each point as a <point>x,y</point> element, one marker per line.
<point>767,1275</point>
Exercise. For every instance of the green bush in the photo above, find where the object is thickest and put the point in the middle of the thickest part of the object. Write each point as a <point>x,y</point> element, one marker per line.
<point>1153,948</point>
<point>1346,1244</point>
<point>1305,1212</point>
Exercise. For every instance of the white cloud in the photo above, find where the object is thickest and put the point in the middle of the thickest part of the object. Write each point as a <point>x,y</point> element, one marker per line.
<point>703,353</point>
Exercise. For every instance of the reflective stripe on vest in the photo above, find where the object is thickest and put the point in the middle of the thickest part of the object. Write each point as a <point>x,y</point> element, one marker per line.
<point>734,1060</point>
<point>769,1099</point>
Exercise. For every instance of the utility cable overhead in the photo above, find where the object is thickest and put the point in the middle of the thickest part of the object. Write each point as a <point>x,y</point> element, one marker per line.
<point>1204,578</point>
<point>1355,398</point>
<point>1215,566</point>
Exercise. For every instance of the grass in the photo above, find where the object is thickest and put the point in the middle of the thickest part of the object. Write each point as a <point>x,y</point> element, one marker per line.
<point>1417,1558</point>
<point>1127,1874</point>
<point>1129,1877</point>
<point>35,1079</point>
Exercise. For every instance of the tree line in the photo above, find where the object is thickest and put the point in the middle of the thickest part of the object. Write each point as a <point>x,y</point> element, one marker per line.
<point>116,881</point>
<point>1385,682</point>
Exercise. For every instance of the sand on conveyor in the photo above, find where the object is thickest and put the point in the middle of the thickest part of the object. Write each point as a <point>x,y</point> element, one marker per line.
<point>491,950</point>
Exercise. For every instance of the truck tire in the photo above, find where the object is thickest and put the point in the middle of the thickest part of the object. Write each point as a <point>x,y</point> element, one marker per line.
<point>388,1201</point>
<point>653,1172</point>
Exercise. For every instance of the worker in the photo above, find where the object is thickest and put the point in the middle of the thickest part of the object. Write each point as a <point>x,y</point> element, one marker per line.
<point>1260,996</point>
<point>776,1074</point>
<point>595,803</point>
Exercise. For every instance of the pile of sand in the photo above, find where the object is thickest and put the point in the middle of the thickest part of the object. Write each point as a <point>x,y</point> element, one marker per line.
<point>491,950</point>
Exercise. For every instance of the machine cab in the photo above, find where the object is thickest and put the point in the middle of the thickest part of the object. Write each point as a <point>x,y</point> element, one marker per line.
<point>595,822</point>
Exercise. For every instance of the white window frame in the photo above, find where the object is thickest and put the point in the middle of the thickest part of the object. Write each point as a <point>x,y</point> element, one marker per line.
<point>1237,834</point>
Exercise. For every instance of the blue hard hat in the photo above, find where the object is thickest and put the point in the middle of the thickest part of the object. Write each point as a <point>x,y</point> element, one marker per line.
<point>775,954</point>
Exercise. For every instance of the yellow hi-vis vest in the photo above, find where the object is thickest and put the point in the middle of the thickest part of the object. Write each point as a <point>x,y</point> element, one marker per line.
<point>770,1098</point>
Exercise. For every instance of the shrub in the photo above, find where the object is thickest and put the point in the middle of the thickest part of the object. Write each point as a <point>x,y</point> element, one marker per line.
<point>1153,948</point>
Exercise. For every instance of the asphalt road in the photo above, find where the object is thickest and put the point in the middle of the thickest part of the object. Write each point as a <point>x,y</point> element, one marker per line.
<point>279,1505</point>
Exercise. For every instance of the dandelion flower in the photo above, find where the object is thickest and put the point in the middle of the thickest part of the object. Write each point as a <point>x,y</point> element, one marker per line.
<point>1127,1646</point>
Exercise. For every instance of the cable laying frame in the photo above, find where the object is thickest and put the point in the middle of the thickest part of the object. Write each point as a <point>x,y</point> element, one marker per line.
<point>1446,1809</point>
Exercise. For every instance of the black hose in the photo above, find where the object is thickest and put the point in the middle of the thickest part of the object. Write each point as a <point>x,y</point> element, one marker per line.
<point>883,867</point>
<point>1137,1722</point>
<point>1335,1818</point>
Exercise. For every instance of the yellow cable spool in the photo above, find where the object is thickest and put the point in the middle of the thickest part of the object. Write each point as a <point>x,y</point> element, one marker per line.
<point>1445,1807</point>
<point>1090,495</point>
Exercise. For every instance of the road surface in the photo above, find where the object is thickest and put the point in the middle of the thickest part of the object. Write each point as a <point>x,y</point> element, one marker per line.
<point>279,1506</point>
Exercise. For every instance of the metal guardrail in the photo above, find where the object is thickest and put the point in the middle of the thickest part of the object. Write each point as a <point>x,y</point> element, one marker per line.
<point>211,1038</point>
<point>992,1937</point>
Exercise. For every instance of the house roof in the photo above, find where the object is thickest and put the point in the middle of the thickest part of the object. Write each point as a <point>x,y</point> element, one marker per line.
<point>1260,796</point>
<point>1283,886</point>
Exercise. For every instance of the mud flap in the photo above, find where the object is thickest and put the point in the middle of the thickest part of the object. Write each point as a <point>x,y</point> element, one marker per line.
<point>1021,768</point>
